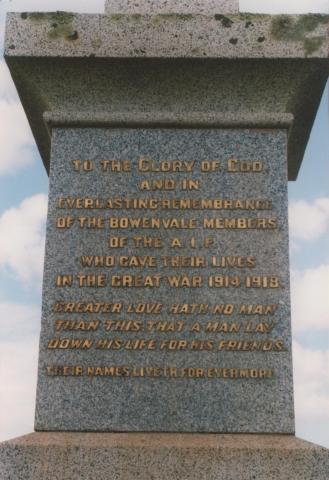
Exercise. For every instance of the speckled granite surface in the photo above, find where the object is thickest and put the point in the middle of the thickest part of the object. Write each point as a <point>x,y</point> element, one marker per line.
<point>174,35</point>
<point>51,456</point>
<point>158,402</point>
<point>169,6</point>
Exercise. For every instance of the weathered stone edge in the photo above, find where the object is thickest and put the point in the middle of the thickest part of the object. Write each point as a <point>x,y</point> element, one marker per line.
<point>155,440</point>
<point>169,120</point>
<point>64,34</point>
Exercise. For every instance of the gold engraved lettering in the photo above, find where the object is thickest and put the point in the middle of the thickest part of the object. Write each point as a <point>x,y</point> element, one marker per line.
<point>69,343</point>
<point>165,326</point>
<point>64,280</point>
<point>179,281</point>
<point>201,345</point>
<point>122,326</point>
<point>176,243</point>
<point>111,371</point>
<point>222,327</point>
<point>147,165</point>
<point>115,165</point>
<point>145,308</point>
<point>240,223</point>
<point>227,262</point>
<point>245,309</point>
<point>128,281</point>
<point>91,280</point>
<point>80,203</point>
<point>189,308</point>
<point>153,185</point>
<point>84,166</point>
<point>91,222</point>
<point>223,309</point>
<point>173,345</point>
<point>153,223</point>
<point>187,184</point>
<point>87,307</point>
<point>97,261</point>
<point>64,222</point>
<point>159,372</point>
<point>251,345</point>
<point>125,203</point>
<point>196,327</point>
<point>224,281</point>
<point>258,281</point>
<point>135,261</point>
<point>262,327</point>
<point>183,262</point>
<point>65,370</point>
<point>72,325</point>
<point>117,242</point>
<point>210,166</point>
<point>147,242</point>
<point>118,344</point>
<point>244,166</point>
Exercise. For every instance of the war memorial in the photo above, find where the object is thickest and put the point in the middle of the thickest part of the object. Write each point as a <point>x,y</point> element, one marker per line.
<point>170,130</point>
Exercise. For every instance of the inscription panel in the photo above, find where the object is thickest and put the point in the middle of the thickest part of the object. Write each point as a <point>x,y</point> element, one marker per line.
<point>166,286</point>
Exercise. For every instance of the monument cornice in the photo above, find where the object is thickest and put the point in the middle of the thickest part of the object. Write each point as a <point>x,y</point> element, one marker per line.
<point>102,69</point>
<point>178,35</point>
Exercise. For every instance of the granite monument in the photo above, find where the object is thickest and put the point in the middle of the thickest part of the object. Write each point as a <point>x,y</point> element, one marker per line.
<point>169,130</point>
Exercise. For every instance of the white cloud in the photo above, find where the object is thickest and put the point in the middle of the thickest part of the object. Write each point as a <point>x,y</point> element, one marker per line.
<point>284,6</point>
<point>82,6</point>
<point>16,140</point>
<point>19,335</point>
<point>308,220</point>
<point>311,379</point>
<point>7,87</point>
<point>310,298</point>
<point>18,375</point>
<point>22,238</point>
<point>18,321</point>
<point>2,31</point>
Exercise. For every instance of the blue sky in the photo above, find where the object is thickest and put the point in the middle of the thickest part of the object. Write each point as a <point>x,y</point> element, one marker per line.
<point>23,200</point>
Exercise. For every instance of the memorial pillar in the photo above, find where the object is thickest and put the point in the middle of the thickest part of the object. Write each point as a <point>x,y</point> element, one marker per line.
<point>169,130</point>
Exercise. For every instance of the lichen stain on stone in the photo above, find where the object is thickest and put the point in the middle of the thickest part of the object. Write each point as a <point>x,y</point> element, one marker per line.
<point>60,23</point>
<point>96,43</point>
<point>136,17</point>
<point>225,21</point>
<point>65,31</point>
<point>116,17</point>
<point>176,16</point>
<point>59,17</point>
<point>312,44</point>
<point>73,35</point>
<point>286,28</point>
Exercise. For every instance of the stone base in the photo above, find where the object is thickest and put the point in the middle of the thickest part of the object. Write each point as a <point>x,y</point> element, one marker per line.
<point>82,456</point>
